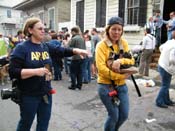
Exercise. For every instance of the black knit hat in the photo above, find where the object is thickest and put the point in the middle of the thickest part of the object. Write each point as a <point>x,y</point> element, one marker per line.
<point>115,20</point>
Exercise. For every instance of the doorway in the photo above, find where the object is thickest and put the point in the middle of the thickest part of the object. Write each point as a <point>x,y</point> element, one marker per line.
<point>167,8</point>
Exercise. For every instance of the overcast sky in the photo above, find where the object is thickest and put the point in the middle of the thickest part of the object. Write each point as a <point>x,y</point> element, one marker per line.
<point>10,3</point>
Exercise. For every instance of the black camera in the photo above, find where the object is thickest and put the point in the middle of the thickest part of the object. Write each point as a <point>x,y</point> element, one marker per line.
<point>13,93</point>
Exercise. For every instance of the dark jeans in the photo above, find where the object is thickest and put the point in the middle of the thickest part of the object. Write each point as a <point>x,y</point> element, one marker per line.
<point>31,106</point>
<point>76,73</point>
<point>117,115</point>
<point>57,70</point>
<point>163,95</point>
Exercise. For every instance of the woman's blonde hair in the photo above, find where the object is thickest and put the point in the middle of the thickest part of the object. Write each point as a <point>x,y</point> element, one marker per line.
<point>30,24</point>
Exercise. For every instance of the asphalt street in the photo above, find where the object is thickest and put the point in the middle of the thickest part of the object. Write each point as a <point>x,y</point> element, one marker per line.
<point>75,110</point>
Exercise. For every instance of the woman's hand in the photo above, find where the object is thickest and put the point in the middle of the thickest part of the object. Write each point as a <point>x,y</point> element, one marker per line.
<point>81,52</point>
<point>41,71</point>
<point>116,66</point>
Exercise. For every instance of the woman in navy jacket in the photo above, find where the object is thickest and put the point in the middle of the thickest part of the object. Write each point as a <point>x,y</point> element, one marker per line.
<point>30,64</point>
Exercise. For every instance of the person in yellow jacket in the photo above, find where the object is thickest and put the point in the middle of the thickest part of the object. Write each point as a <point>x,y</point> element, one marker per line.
<point>110,78</point>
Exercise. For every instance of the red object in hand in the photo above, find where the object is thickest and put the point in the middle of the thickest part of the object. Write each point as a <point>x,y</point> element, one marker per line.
<point>113,93</point>
<point>52,91</point>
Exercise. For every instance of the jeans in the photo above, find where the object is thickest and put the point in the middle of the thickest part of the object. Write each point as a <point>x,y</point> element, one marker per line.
<point>66,65</point>
<point>163,95</point>
<point>76,73</point>
<point>169,35</point>
<point>57,70</point>
<point>84,70</point>
<point>117,115</point>
<point>90,59</point>
<point>30,106</point>
<point>158,36</point>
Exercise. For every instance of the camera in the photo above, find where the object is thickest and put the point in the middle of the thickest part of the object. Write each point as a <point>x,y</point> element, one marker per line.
<point>13,93</point>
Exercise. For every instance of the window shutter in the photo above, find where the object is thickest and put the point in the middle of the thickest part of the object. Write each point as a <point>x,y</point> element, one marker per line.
<point>121,9</point>
<point>103,13</point>
<point>80,15</point>
<point>100,13</point>
<point>142,12</point>
<point>98,7</point>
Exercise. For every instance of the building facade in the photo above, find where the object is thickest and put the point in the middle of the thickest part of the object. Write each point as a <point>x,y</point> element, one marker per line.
<point>10,20</point>
<point>51,12</point>
<point>95,13</point>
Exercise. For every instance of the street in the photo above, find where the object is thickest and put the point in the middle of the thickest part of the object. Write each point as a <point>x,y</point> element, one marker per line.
<point>82,110</point>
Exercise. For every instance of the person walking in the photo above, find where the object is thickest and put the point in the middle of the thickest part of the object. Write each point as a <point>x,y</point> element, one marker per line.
<point>109,76</point>
<point>166,68</point>
<point>148,46</point>
<point>30,64</point>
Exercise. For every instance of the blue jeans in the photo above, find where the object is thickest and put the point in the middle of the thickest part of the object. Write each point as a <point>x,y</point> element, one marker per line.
<point>117,115</point>
<point>84,70</point>
<point>163,95</point>
<point>169,35</point>
<point>57,70</point>
<point>30,106</point>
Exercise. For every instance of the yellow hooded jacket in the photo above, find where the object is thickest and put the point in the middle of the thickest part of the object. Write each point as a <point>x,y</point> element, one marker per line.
<point>105,75</point>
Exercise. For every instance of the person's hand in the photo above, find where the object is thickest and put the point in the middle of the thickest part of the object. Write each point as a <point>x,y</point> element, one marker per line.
<point>41,71</point>
<point>81,52</point>
<point>127,75</point>
<point>116,66</point>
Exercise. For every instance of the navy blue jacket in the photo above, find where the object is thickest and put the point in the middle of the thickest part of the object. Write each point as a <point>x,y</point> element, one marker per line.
<point>28,55</point>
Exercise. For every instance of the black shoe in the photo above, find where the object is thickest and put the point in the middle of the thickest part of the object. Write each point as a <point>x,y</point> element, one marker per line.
<point>170,103</point>
<point>162,105</point>
<point>79,88</point>
<point>71,88</point>
<point>85,82</point>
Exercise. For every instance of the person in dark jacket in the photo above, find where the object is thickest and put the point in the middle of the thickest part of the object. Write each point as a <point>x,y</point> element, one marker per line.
<point>76,66</point>
<point>30,64</point>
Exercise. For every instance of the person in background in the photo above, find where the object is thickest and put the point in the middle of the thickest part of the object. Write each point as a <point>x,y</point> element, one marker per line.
<point>166,68</point>
<point>90,49</point>
<point>55,60</point>
<point>65,44</point>
<point>150,25</point>
<point>148,46</point>
<point>76,66</point>
<point>109,76</point>
<point>158,22</point>
<point>3,46</point>
<point>170,25</point>
<point>30,64</point>
<point>95,40</point>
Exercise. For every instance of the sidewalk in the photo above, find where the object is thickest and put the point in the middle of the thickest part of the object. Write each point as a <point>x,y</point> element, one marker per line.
<point>155,76</point>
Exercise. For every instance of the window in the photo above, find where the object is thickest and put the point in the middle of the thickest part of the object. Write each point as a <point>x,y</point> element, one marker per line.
<point>41,16</point>
<point>9,14</point>
<point>100,13</point>
<point>51,18</point>
<point>80,15</point>
<point>136,12</point>
<point>133,12</point>
<point>156,4</point>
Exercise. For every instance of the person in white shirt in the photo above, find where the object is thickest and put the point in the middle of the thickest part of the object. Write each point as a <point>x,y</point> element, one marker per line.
<point>148,46</point>
<point>170,25</point>
<point>150,25</point>
<point>166,68</point>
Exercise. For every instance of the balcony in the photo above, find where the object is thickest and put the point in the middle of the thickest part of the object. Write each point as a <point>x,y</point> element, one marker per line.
<point>13,20</point>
